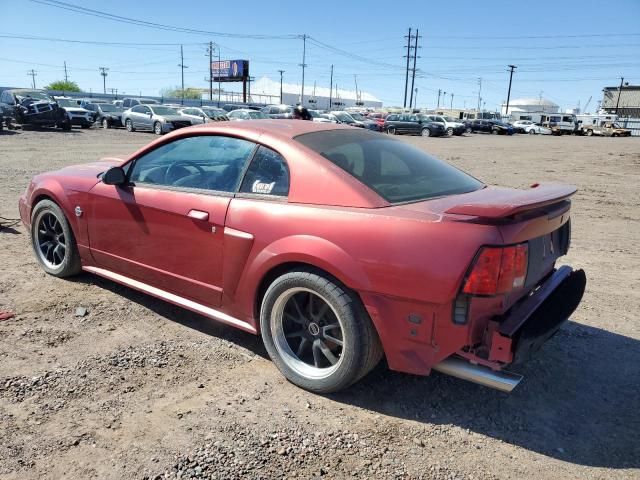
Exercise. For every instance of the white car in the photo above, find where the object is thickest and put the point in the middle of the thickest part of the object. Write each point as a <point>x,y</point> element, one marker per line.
<point>196,115</point>
<point>451,126</point>
<point>317,117</point>
<point>520,126</point>
<point>537,130</point>
<point>246,114</point>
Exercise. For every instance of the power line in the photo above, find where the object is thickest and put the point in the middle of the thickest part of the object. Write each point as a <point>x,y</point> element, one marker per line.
<point>159,26</point>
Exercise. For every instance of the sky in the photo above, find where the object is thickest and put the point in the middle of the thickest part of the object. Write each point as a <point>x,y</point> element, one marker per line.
<point>565,51</point>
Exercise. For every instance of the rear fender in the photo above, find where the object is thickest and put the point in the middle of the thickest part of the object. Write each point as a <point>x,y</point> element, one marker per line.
<point>306,249</point>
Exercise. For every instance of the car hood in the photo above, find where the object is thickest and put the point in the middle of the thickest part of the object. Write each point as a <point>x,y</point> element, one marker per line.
<point>172,118</point>
<point>81,111</point>
<point>91,169</point>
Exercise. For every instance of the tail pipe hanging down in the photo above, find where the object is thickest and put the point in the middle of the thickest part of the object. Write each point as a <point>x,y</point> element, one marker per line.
<point>460,368</point>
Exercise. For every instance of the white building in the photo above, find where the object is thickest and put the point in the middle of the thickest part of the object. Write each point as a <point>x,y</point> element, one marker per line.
<point>522,106</point>
<point>265,87</point>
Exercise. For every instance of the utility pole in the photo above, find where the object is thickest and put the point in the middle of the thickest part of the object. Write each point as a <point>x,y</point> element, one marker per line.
<point>512,67</point>
<point>413,75</point>
<point>479,94</point>
<point>211,71</point>
<point>415,101</point>
<point>303,65</point>
<point>439,93</point>
<point>114,91</point>
<point>619,92</point>
<point>451,106</point>
<point>182,67</point>
<point>32,73</point>
<point>66,77</point>
<point>103,72</point>
<point>281,72</point>
<point>331,87</point>
<point>406,75</point>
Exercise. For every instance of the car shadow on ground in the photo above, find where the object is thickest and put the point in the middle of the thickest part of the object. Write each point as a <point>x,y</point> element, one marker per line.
<point>578,402</point>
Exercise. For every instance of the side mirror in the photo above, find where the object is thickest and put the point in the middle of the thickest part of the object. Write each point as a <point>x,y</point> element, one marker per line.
<point>150,114</point>
<point>114,176</point>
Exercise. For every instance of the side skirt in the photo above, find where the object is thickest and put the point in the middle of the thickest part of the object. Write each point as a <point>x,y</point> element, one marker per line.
<point>172,298</point>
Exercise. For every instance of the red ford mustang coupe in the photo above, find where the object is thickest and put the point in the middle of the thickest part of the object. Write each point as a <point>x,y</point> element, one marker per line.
<point>338,245</point>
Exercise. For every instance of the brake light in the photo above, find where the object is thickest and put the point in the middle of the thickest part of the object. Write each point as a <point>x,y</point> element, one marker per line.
<point>498,270</point>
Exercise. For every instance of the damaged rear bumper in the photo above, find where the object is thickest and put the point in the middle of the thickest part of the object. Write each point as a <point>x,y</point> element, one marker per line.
<point>521,331</point>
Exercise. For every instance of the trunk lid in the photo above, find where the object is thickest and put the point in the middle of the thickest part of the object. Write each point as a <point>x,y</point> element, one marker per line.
<point>496,204</point>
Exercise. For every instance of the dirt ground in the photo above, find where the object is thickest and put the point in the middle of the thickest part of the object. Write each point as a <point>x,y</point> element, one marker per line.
<point>136,388</point>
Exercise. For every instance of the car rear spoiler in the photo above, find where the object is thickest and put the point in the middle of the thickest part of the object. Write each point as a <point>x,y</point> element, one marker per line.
<point>495,203</point>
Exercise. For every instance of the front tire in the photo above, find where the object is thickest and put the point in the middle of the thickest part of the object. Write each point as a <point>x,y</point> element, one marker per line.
<point>449,132</point>
<point>53,241</point>
<point>157,128</point>
<point>425,132</point>
<point>392,131</point>
<point>532,132</point>
<point>105,123</point>
<point>129,125</point>
<point>317,333</point>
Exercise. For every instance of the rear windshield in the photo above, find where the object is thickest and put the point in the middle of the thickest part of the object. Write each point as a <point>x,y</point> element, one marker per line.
<point>397,171</point>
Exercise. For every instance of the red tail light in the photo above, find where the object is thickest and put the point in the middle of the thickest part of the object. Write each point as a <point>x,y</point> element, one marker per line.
<point>498,270</point>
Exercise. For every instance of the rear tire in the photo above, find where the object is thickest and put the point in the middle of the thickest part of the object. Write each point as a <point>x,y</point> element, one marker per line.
<point>53,241</point>
<point>494,132</point>
<point>589,133</point>
<point>425,132</point>
<point>317,333</point>
<point>392,131</point>
<point>449,132</point>
<point>105,123</point>
<point>129,125</point>
<point>532,132</point>
<point>157,128</point>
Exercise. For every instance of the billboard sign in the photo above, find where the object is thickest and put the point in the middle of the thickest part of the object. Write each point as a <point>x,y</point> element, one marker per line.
<point>230,70</point>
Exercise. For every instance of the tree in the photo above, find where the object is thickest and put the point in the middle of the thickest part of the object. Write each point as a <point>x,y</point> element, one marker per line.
<point>65,86</point>
<point>190,93</point>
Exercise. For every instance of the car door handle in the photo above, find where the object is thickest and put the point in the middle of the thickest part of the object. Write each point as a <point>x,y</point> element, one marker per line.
<point>198,215</point>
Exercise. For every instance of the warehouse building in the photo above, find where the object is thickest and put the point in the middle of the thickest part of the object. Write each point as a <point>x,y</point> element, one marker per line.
<point>317,97</point>
<point>522,106</point>
<point>626,99</point>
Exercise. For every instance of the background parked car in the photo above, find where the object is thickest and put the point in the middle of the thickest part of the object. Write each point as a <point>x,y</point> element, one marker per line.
<point>369,123</point>
<point>535,129</point>
<point>520,126</point>
<point>347,119</point>
<point>132,102</point>
<point>246,114</point>
<point>206,114</point>
<point>317,116</point>
<point>451,126</point>
<point>75,113</point>
<point>157,118</point>
<point>408,123</point>
<point>215,114</point>
<point>118,103</point>
<point>495,127</point>
<point>106,115</point>
<point>34,107</point>
<point>278,111</point>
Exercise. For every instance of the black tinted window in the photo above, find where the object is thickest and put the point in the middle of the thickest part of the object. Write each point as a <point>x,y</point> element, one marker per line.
<point>396,170</point>
<point>268,174</point>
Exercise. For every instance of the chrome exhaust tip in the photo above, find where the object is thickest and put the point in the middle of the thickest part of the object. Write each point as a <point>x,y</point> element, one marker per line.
<point>460,368</point>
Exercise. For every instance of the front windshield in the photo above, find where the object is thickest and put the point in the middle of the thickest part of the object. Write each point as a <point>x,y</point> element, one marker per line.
<point>65,102</point>
<point>397,171</point>
<point>160,110</point>
<point>256,115</point>
<point>33,94</point>
<point>449,119</point>
<point>357,116</point>
<point>213,111</point>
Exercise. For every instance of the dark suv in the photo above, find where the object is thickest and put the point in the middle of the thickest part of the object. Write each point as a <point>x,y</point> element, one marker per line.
<point>33,107</point>
<point>409,123</point>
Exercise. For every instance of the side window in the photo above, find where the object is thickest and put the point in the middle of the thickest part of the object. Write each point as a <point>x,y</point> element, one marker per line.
<point>137,109</point>
<point>207,162</point>
<point>268,174</point>
<point>349,157</point>
<point>392,118</point>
